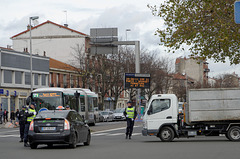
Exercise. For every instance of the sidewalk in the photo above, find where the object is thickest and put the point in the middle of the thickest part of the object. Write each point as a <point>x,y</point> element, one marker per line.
<point>7,125</point>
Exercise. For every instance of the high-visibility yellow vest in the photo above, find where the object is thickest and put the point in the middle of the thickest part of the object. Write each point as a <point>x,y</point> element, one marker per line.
<point>130,112</point>
<point>29,119</point>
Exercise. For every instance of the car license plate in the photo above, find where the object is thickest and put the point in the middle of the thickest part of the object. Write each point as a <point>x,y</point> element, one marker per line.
<point>48,128</point>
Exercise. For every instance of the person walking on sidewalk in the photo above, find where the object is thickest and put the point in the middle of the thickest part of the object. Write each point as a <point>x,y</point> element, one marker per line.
<point>1,116</point>
<point>5,116</point>
<point>22,121</point>
<point>130,114</point>
<point>12,117</point>
<point>30,115</point>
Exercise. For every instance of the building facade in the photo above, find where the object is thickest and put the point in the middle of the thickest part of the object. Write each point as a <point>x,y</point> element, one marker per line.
<point>54,40</point>
<point>63,75</point>
<point>15,79</point>
<point>195,69</point>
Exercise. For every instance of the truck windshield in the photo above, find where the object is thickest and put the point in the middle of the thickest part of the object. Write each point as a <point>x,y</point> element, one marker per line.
<point>49,100</point>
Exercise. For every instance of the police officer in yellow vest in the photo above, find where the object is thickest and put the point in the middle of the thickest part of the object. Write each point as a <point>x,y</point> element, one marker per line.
<point>30,115</point>
<point>130,113</point>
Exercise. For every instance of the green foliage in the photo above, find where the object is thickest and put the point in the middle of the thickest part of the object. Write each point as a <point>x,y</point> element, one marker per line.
<point>207,26</point>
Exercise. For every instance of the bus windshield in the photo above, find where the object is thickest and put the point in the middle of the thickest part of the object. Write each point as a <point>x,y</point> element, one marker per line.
<point>49,100</point>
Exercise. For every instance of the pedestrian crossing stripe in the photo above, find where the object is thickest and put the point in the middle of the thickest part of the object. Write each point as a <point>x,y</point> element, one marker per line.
<point>9,136</point>
<point>115,134</point>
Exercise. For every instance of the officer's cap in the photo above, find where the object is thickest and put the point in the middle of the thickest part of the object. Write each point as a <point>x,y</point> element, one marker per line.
<point>67,106</point>
<point>129,102</point>
<point>23,106</point>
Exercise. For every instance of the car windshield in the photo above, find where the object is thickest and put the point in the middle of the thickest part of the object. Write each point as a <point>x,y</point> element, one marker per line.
<point>52,114</point>
<point>104,113</point>
<point>119,110</point>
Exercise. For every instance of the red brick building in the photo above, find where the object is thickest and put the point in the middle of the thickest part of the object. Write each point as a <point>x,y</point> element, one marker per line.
<point>63,75</point>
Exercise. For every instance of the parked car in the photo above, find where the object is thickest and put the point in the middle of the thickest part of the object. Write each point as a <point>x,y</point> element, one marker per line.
<point>107,115</point>
<point>118,114</point>
<point>58,127</point>
<point>101,118</point>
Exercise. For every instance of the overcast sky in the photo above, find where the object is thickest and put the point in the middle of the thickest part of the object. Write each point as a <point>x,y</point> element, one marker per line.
<point>81,15</point>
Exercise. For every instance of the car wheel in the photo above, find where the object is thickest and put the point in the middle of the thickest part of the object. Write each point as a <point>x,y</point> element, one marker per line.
<point>74,141</point>
<point>33,146</point>
<point>87,143</point>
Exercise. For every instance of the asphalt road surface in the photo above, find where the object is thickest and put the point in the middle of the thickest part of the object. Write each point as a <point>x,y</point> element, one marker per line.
<point>108,142</point>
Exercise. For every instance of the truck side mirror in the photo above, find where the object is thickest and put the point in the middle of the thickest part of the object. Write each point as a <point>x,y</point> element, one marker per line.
<point>149,112</point>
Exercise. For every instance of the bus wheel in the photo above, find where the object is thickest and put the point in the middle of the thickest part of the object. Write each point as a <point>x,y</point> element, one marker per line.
<point>166,134</point>
<point>234,133</point>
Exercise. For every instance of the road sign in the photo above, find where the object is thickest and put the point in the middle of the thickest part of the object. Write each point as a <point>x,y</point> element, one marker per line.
<point>237,12</point>
<point>136,80</point>
<point>102,40</point>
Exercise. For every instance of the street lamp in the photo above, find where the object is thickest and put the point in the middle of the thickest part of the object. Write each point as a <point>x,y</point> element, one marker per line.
<point>30,29</point>
<point>126,32</point>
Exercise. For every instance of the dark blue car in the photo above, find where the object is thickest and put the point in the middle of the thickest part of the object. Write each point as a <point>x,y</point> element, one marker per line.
<point>58,127</point>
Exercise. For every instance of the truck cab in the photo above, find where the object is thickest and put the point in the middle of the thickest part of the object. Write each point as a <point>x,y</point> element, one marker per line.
<point>161,115</point>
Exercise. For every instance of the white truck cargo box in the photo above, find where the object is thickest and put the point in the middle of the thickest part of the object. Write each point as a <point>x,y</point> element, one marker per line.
<point>213,105</point>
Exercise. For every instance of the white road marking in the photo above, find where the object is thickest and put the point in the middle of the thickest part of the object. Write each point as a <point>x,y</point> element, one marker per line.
<point>116,134</point>
<point>135,134</point>
<point>100,134</point>
<point>103,131</point>
<point>9,136</point>
<point>9,131</point>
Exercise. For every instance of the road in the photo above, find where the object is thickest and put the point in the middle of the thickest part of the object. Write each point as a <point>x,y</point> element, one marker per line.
<point>108,142</point>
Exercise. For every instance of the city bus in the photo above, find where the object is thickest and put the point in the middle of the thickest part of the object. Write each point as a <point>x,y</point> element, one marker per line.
<point>79,99</point>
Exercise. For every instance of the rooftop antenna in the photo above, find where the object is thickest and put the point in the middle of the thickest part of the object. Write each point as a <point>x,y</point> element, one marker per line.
<point>66,24</point>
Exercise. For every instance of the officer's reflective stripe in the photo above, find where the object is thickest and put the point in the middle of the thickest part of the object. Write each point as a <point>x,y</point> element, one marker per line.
<point>29,119</point>
<point>130,112</point>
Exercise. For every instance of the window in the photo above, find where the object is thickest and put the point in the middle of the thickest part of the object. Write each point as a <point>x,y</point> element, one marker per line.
<point>18,77</point>
<point>79,118</point>
<point>35,79</point>
<point>43,80</point>
<point>65,80</point>
<point>27,78</point>
<point>71,101</point>
<point>7,76</point>
<point>159,105</point>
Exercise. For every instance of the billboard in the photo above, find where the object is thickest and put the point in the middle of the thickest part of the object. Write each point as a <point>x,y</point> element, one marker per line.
<point>136,80</point>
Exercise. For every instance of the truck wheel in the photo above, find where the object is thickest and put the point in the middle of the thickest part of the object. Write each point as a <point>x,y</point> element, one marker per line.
<point>166,134</point>
<point>234,133</point>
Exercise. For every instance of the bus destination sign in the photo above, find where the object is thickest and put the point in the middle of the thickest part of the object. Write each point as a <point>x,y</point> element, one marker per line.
<point>136,80</point>
<point>46,94</point>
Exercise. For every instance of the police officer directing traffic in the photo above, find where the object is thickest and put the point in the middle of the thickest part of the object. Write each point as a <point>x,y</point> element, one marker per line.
<point>30,115</point>
<point>22,120</point>
<point>130,113</point>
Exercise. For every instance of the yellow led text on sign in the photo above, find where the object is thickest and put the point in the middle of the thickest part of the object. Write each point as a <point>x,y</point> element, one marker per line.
<point>49,95</point>
<point>137,82</point>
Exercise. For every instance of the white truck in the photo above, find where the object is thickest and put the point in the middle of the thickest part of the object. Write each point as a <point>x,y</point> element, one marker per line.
<point>208,112</point>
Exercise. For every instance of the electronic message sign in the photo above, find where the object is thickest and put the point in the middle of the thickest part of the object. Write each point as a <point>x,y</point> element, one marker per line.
<point>136,80</point>
<point>46,95</point>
